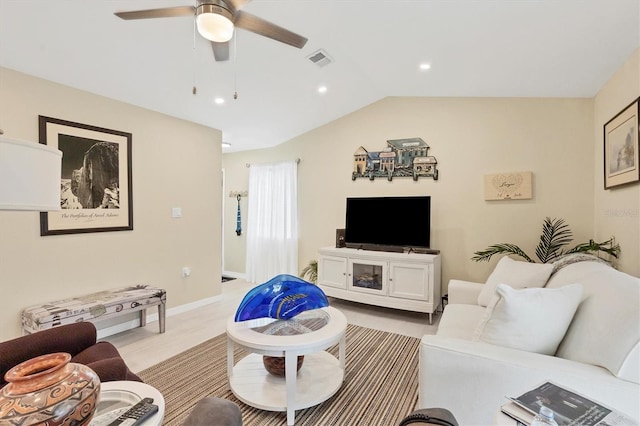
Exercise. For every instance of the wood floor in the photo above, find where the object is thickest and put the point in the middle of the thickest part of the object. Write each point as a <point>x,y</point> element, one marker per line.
<point>144,347</point>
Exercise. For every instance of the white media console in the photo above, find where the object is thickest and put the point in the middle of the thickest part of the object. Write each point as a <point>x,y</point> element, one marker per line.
<point>408,281</point>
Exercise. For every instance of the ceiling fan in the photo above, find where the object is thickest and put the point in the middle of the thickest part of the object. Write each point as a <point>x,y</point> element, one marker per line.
<point>216,20</point>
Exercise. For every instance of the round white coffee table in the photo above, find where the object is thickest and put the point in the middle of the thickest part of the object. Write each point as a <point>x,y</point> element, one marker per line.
<point>319,378</point>
<point>119,396</point>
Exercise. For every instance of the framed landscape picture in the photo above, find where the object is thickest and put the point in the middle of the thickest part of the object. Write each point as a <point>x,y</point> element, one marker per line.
<point>621,158</point>
<point>95,189</point>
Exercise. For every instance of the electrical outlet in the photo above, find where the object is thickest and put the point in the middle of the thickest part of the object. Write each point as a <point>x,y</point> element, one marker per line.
<point>186,271</point>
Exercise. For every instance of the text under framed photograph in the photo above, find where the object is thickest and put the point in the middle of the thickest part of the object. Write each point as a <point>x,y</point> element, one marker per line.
<point>95,190</point>
<point>621,158</point>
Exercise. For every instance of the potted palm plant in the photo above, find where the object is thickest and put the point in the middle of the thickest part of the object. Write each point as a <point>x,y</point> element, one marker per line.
<point>310,272</point>
<point>555,236</point>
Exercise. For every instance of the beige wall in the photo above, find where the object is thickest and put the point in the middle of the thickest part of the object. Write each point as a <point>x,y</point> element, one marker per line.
<point>175,164</point>
<point>470,137</point>
<point>617,210</point>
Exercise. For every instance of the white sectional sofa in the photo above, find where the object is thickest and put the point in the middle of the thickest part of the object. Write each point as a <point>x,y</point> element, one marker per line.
<point>598,356</point>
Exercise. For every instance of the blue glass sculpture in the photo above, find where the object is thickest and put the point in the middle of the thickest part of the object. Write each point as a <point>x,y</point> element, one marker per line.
<point>282,297</point>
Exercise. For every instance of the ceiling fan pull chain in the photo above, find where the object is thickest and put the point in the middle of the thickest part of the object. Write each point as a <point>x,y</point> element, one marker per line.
<point>235,65</point>
<point>194,90</point>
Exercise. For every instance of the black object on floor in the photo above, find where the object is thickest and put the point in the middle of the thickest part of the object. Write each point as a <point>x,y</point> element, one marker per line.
<point>225,279</point>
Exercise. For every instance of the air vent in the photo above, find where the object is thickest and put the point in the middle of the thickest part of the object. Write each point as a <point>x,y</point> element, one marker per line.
<point>320,58</point>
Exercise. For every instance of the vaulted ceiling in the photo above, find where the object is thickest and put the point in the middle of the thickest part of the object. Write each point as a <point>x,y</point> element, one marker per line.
<point>476,48</point>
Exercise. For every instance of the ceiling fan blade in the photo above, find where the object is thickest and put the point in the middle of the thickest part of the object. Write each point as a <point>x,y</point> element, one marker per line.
<point>220,51</point>
<point>267,29</point>
<point>238,4</point>
<point>168,12</point>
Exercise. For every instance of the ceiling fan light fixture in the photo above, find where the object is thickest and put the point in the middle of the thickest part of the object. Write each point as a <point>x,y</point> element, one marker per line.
<point>214,22</point>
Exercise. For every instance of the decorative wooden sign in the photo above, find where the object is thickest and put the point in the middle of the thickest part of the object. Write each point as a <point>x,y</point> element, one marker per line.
<point>508,186</point>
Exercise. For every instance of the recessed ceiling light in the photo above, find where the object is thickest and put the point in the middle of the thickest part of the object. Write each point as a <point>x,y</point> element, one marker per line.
<point>219,101</point>
<point>226,145</point>
<point>425,66</point>
<point>322,89</point>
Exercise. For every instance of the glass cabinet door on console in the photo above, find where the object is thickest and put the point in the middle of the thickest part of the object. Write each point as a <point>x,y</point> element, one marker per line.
<point>368,276</point>
<point>332,271</point>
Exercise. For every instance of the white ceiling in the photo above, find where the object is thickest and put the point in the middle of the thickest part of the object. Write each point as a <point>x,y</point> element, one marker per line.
<point>531,48</point>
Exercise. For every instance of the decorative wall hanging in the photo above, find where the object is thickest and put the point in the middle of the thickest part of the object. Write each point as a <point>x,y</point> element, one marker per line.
<point>621,156</point>
<point>401,158</point>
<point>508,186</point>
<point>95,189</point>
<point>238,217</point>
<point>238,196</point>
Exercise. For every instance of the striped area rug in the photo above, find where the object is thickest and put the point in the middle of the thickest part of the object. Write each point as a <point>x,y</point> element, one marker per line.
<point>380,385</point>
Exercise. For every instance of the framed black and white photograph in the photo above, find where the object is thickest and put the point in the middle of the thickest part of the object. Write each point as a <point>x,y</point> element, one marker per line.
<point>95,188</point>
<point>621,158</point>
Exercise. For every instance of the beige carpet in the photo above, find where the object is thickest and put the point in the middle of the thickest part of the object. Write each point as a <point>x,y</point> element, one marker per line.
<point>380,385</point>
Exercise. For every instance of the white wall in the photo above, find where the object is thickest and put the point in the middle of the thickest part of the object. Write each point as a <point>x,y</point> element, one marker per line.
<point>617,210</point>
<point>175,164</point>
<point>470,137</point>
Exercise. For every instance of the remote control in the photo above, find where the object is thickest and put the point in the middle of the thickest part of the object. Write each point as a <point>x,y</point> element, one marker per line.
<point>137,414</point>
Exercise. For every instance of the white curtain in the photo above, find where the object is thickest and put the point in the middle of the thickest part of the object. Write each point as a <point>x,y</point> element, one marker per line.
<point>272,221</point>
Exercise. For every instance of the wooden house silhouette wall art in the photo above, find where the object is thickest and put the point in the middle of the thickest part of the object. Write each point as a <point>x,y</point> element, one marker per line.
<point>401,158</point>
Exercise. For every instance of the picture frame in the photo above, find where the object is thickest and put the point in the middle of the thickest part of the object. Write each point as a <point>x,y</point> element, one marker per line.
<point>96,186</point>
<point>621,146</point>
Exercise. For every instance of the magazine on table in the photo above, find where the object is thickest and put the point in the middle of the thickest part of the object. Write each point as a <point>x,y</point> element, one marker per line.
<point>569,408</point>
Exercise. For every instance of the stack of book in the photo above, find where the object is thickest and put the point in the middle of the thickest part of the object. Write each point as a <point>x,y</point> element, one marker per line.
<point>569,408</point>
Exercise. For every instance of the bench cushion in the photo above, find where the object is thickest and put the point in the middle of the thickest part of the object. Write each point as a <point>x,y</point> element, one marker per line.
<point>96,306</point>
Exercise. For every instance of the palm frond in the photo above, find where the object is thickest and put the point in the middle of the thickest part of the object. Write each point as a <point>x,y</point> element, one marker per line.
<point>610,247</point>
<point>555,235</point>
<point>504,248</point>
<point>310,272</point>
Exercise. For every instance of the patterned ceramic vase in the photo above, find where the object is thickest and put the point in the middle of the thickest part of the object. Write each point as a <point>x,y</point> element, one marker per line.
<point>49,390</point>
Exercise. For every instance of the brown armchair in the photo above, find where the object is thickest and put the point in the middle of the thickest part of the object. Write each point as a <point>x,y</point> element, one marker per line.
<point>79,340</point>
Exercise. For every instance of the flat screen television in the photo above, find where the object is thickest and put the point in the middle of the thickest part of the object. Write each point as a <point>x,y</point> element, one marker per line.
<point>372,222</point>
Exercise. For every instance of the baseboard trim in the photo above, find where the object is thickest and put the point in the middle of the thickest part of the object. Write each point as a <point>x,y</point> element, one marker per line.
<point>153,317</point>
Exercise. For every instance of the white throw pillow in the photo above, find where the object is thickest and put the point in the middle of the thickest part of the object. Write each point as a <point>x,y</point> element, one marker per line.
<point>516,274</point>
<point>530,319</point>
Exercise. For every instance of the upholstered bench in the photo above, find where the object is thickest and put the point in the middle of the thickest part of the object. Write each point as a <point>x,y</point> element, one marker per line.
<point>96,307</point>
